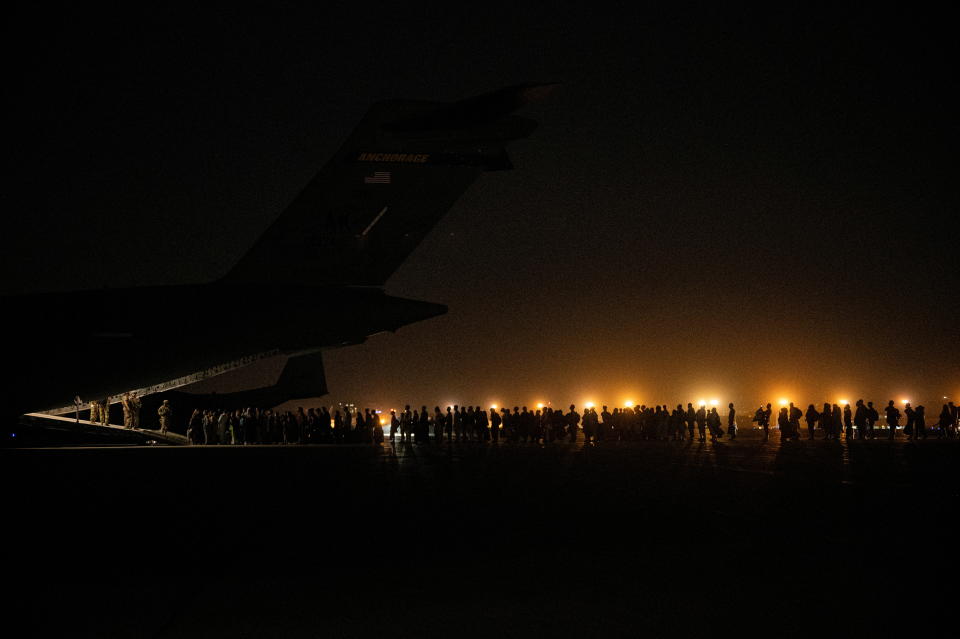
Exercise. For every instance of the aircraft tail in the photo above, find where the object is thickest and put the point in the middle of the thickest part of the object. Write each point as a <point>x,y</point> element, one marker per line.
<point>400,170</point>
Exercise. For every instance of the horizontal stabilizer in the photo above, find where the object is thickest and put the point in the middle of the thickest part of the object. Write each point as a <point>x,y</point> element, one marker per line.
<point>302,377</point>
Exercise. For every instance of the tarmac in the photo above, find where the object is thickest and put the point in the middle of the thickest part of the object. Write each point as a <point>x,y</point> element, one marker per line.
<point>476,540</point>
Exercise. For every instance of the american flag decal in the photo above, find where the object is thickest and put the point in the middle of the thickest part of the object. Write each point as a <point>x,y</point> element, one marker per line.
<point>378,177</point>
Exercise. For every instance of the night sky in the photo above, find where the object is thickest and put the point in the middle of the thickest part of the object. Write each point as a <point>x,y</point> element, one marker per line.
<point>717,203</point>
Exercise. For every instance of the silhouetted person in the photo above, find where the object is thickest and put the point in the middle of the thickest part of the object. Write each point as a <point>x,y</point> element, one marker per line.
<point>795,415</point>
<point>691,419</point>
<point>826,421</point>
<point>893,419</point>
<point>848,421</point>
<point>920,422</point>
<point>872,418</point>
<point>731,421</point>
<point>713,422</point>
<point>767,415</point>
<point>812,417</point>
<point>758,419</point>
<point>422,433</point>
<point>194,425</point>
<point>604,427</point>
<point>495,422</point>
<point>573,423</point>
<point>394,425</point>
<point>945,422</point>
<point>701,417</point>
<point>783,421</point>
<point>860,420</point>
<point>337,427</point>
<point>438,420</point>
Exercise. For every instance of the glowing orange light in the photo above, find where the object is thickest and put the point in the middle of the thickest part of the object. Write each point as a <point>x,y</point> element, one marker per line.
<point>628,403</point>
<point>904,401</point>
<point>589,404</point>
<point>784,402</point>
<point>702,402</point>
<point>493,406</point>
<point>844,401</point>
<point>383,422</point>
<point>539,404</point>
<point>714,402</point>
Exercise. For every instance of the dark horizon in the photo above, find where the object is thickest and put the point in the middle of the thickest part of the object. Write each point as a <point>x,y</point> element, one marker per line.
<point>723,204</point>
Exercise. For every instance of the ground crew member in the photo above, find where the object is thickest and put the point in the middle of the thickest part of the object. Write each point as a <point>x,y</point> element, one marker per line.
<point>134,411</point>
<point>166,414</point>
<point>125,403</point>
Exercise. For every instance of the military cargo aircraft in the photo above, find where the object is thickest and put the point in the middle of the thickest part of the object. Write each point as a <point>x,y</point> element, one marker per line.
<point>328,256</point>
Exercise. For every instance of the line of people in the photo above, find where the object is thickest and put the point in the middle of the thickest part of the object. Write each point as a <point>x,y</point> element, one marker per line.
<point>857,423</point>
<point>544,425</point>
<point>266,426</point>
